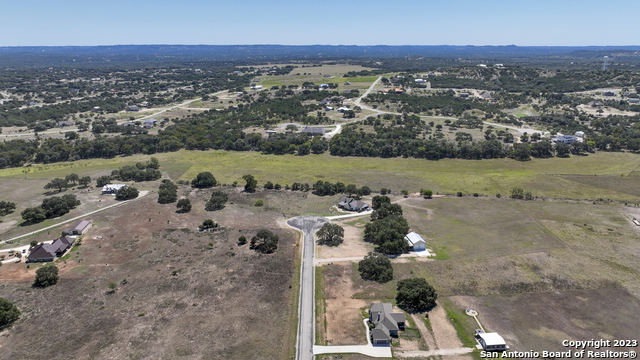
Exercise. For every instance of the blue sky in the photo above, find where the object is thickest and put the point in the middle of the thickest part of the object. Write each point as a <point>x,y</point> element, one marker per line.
<point>326,22</point>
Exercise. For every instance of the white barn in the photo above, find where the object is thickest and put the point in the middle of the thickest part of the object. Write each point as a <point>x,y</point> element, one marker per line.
<point>492,342</point>
<point>416,242</point>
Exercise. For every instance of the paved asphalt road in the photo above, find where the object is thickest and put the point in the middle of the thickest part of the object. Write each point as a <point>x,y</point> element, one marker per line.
<point>309,225</point>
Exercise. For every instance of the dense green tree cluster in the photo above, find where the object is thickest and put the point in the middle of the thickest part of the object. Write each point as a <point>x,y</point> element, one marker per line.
<point>322,188</point>
<point>388,233</point>
<point>8,312</point>
<point>376,267</point>
<point>127,193</point>
<point>204,180</point>
<point>184,205</point>
<point>330,234</point>
<point>139,172</point>
<point>51,207</point>
<point>168,192</point>
<point>7,207</point>
<point>379,200</point>
<point>46,276</point>
<point>416,294</point>
<point>217,201</point>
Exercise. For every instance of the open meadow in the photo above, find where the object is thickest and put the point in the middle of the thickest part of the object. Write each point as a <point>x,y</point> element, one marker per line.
<point>145,276</point>
<point>543,177</point>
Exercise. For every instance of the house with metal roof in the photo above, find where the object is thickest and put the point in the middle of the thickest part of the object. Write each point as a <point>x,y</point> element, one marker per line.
<point>416,242</point>
<point>133,108</point>
<point>79,228</point>
<point>387,323</point>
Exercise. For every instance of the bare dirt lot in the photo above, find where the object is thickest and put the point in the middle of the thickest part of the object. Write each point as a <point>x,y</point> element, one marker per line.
<point>179,292</point>
<point>343,312</point>
<point>540,321</point>
<point>353,244</point>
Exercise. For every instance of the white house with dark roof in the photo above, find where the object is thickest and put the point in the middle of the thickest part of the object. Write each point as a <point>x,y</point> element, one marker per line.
<point>387,323</point>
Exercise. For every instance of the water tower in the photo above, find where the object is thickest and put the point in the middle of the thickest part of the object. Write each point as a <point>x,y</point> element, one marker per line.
<point>604,63</point>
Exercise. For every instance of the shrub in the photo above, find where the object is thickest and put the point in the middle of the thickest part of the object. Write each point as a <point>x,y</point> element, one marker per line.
<point>428,194</point>
<point>242,240</point>
<point>268,185</point>
<point>376,267</point>
<point>208,224</point>
<point>264,241</point>
<point>384,191</point>
<point>46,276</point>
<point>498,195</point>
<point>476,194</point>
<point>517,193</point>
<point>259,202</point>
<point>8,312</point>
<point>459,193</point>
<point>217,201</point>
<point>184,205</point>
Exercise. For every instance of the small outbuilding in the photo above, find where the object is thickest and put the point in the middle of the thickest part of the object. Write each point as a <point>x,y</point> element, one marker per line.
<point>492,342</point>
<point>609,93</point>
<point>634,100</point>
<point>133,108</point>
<point>79,228</point>
<point>416,242</point>
<point>65,123</point>
<point>580,134</point>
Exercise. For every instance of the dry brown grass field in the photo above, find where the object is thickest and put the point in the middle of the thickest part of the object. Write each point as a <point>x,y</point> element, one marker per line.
<point>180,293</point>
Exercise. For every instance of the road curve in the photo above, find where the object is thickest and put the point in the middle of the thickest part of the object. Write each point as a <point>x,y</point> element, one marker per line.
<point>306,307</point>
